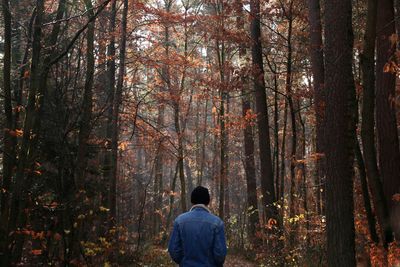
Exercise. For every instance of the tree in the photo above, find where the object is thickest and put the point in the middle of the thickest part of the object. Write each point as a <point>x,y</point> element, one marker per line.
<point>248,137</point>
<point>368,125</point>
<point>388,140</point>
<point>108,164</point>
<point>9,139</point>
<point>267,178</point>
<point>339,125</point>
<point>317,68</point>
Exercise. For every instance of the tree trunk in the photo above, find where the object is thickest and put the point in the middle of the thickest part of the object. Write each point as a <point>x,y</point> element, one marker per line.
<point>9,138</point>
<point>368,125</point>
<point>248,136</point>
<point>84,128</point>
<point>203,145</point>
<point>219,9</point>
<point>317,68</point>
<point>250,170</point>
<point>339,125</point>
<point>283,154</point>
<point>108,167</point>
<point>303,173</point>
<point>83,137</point>
<point>388,141</point>
<point>293,150</point>
<point>19,187</point>
<point>115,116</point>
<point>365,193</point>
<point>267,177</point>
<point>223,137</point>
<point>276,141</point>
<point>180,156</point>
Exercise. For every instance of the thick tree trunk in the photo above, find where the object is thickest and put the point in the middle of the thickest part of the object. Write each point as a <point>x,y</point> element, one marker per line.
<point>388,141</point>
<point>252,207</point>
<point>339,125</point>
<point>115,116</point>
<point>368,125</point>
<point>9,135</point>
<point>267,177</point>
<point>248,136</point>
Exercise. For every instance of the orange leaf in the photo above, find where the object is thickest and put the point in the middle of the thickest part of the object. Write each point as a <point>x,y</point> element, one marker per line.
<point>396,197</point>
<point>36,252</point>
<point>393,39</point>
<point>386,68</point>
<point>271,223</point>
<point>16,133</point>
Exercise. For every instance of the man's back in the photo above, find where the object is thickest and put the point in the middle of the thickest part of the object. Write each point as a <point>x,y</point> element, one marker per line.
<point>198,239</point>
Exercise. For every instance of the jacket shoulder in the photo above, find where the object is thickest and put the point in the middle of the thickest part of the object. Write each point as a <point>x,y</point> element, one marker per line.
<point>217,220</point>
<point>208,217</point>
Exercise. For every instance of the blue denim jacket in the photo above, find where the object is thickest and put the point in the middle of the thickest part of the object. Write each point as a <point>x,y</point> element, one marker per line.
<point>198,239</point>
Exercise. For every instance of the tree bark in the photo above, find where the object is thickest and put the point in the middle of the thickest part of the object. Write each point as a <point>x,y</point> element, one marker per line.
<point>116,108</point>
<point>248,139</point>
<point>368,125</point>
<point>267,177</point>
<point>223,136</point>
<point>250,171</point>
<point>278,188</point>
<point>283,154</point>
<point>84,127</point>
<point>339,125</point>
<point>317,69</point>
<point>293,150</point>
<point>388,141</point>
<point>25,154</point>
<point>180,157</point>
<point>9,139</point>
<point>108,167</point>
<point>365,193</point>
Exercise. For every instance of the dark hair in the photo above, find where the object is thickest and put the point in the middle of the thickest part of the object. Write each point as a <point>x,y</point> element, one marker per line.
<point>200,195</point>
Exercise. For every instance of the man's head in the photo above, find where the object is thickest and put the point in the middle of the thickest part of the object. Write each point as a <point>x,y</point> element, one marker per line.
<point>200,195</point>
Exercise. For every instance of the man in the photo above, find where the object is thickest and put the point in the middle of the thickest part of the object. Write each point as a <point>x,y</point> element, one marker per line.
<point>198,238</point>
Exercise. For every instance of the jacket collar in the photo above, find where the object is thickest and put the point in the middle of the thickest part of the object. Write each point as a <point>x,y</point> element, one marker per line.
<point>200,206</point>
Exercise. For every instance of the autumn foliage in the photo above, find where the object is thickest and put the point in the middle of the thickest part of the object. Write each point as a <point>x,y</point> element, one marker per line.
<point>114,110</point>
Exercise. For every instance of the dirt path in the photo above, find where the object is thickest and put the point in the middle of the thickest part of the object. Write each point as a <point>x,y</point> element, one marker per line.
<point>158,257</point>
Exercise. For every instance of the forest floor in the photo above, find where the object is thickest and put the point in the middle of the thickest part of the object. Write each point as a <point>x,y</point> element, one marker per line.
<point>159,257</point>
<point>233,261</point>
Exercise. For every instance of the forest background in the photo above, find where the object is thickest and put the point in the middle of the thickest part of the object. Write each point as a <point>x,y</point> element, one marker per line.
<point>114,110</point>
